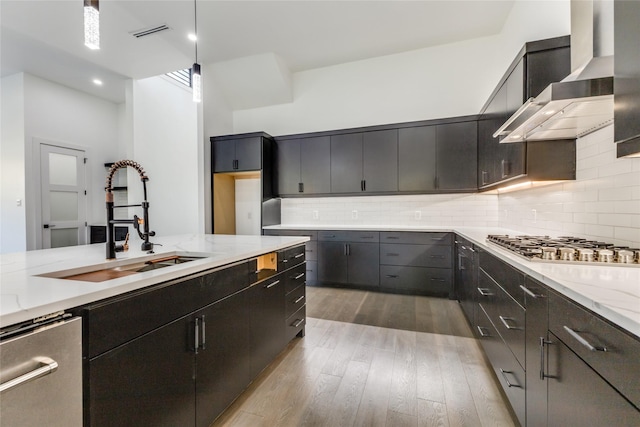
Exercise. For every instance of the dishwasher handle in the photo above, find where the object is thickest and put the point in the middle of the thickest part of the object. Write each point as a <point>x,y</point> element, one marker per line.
<point>46,366</point>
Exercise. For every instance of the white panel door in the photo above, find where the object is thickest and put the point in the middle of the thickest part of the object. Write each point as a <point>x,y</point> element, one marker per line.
<point>63,195</point>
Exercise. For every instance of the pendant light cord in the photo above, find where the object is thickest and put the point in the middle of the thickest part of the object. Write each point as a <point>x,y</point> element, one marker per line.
<point>195,25</point>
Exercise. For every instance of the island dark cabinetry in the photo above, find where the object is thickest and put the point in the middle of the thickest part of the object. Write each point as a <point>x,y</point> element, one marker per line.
<point>180,352</point>
<point>557,362</point>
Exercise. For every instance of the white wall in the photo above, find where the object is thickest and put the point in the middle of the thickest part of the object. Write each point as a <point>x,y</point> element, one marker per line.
<point>603,203</point>
<point>442,81</point>
<point>165,143</point>
<point>12,178</point>
<point>45,111</point>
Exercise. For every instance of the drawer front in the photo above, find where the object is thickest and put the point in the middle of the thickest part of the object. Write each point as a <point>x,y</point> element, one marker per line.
<point>291,257</point>
<point>311,251</point>
<point>414,238</point>
<point>311,272</point>
<point>578,329</point>
<point>420,280</point>
<point>295,300</point>
<point>415,255</point>
<point>505,366</point>
<point>333,236</point>
<point>508,277</point>
<point>294,277</point>
<point>364,236</point>
<point>295,323</point>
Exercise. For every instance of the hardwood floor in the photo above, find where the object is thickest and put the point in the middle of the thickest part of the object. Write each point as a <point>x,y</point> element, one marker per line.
<point>371,359</point>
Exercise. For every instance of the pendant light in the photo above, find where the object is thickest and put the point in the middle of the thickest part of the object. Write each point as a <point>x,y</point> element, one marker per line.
<point>91,24</point>
<point>196,76</point>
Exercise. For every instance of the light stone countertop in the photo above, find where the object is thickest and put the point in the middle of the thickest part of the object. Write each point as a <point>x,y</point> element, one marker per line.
<point>612,292</point>
<point>24,295</point>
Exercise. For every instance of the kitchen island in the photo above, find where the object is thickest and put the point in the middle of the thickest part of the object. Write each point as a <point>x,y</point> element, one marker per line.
<point>164,344</point>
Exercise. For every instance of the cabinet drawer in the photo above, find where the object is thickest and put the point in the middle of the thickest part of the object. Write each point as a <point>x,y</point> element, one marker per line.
<point>414,238</point>
<point>333,236</point>
<point>419,280</point>
<point>311,251</point>
<point>295,323</point>
<point>415,255</point>
<point>579,329</point>
<point>290,257</point>
<point>311,272</point>
<point>507,369</point>
<point>508,277</point>
<point>294,277</point>
<point>294,300</point>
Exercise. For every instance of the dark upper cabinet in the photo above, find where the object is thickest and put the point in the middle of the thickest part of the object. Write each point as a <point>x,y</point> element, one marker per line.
<point>536,66</point>
<point>380,161</point>
<point>304,166</point>
<point>417,158</point>
<point>626,77</point>
<point>456,156</point>
<point>236,155</point>
<point>346,163</point>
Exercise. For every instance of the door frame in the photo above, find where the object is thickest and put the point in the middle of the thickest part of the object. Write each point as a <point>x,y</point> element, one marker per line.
<point>34,223</point>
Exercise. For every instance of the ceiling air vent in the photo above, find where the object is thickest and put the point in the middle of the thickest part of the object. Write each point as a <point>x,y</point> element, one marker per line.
<point>149,31</point>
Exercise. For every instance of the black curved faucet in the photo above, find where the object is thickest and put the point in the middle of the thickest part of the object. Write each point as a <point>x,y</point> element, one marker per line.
<point>112,248</point>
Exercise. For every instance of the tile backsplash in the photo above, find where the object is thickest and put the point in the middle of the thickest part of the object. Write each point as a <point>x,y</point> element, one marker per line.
<point>419,210</point>
<point>602,203</point>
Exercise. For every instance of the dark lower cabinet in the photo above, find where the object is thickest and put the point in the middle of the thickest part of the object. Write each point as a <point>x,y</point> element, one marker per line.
<point>353,263</point>
<point>267,305</point>
<point>578,396</point>
<point>147,382</point>
<point>466,278</point>
<point>332,262</point>
<point>223,360</point>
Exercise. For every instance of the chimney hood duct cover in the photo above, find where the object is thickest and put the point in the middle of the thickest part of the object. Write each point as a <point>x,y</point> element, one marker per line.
<point>581,103</point>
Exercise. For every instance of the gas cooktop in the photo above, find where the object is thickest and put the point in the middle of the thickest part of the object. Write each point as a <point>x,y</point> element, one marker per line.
<point>567,249</point>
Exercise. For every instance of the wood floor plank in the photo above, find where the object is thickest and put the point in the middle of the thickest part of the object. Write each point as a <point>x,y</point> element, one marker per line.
<point>429,373</point>
<point>372,411</point>
<point>346,402</point>
<point>321,402</point>
<point>349,335</point>
<point>396,419</point>
<point>403,393</point>
<point>433,414</point>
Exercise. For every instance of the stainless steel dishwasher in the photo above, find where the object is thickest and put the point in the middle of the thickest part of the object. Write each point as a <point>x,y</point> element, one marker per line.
<point>41,373</point>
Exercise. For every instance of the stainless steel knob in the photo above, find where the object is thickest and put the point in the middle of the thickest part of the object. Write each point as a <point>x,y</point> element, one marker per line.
<point>567,254</point>
<point>549,254</point>
<point>585,255</point>
<point>625,257</point>
<point>605,255</point>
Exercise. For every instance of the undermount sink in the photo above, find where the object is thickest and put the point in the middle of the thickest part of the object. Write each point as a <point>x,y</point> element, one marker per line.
<point>104,274</point>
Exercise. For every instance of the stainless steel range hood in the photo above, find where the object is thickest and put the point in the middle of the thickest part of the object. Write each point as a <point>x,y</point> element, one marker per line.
<point>583,102</point>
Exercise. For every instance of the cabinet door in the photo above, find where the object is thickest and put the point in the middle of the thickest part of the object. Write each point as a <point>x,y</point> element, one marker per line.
<point>224,155</point>
<point>315,165</point>
<point>578,396</point>
<point>249,154</point>
<point>512,161</point>
<point>380,166</point>
<point>147,382</point>
<point>332,262</point>
<point>457,156</point>
<point>489,154</point>
<point>417,158</point>
<point>288,169</point>
<point>364,264</point>
<point>346,163</point>
<point>223,361</point>
<point>267,308</point>
<point>466,281</point>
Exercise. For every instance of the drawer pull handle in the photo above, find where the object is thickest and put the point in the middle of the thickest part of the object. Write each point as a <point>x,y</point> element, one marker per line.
<point>505,321</point>
<point>298,323</point>
<point>509,384</point>
<point>47,366</point>
<point>271,285</point>
<point>530,292</point>
<point>485,292</point>
<point>392,276</point>
<point>543,342</point>
<point>391,254</point>
<point>392,237</point>
<point>482,332</point>
<point>366,237</point>
<point>435,279</point>
<point>299,299</point>
<point>437,256</point>
<point>298,276</point>
<point>298,256</point>
<point>285,260</point>
<point>582,341</point>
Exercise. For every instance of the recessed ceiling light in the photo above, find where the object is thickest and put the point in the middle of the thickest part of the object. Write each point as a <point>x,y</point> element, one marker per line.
<point>97,82</point>
<point>192,37</point>
<point>548,113</point>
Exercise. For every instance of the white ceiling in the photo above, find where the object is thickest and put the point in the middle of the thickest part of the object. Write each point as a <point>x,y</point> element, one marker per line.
<point>45,38</point>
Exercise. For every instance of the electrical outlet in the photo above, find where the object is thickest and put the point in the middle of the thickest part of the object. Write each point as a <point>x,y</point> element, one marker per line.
<point>418,215</point>
<point>315,214</point>
<point>354,214</point>
<point>535,215</point>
